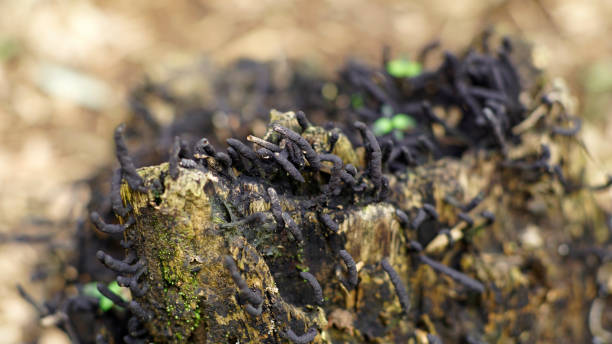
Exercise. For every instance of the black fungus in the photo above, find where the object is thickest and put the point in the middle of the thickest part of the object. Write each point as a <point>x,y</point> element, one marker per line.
<point>400,289</point>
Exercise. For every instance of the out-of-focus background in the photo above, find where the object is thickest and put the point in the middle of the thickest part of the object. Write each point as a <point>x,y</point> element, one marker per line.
<point>67,65</point>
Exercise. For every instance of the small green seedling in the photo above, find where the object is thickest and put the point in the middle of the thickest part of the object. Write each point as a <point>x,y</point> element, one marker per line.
<point>404,68</point>
<point>91,289</point>
<point>357,101</point>
<point>400,121</point>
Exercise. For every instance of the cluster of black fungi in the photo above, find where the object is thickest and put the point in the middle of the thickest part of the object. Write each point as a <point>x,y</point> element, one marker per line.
<point>484,85</point>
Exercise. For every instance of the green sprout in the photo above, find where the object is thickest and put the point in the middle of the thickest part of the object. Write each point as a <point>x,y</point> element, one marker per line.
<point>400,121</point>
<point>404,68</point>
<point>91,289</point>
<point>357,101</point>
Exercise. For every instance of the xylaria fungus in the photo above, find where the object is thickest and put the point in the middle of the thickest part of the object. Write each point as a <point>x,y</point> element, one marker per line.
<point>374,155</point>
<point>97,220</point>
<point>316,287</point>
<point>419,218</point>
<point>302,120</point>
<point>104,290</point>
<point>263,143</point>
<point>454,274</point>
<point>242,149</point>
<point>307,337</point>
<point>351,267</point>
<point>275,207</point>
<point>245,293</point>
<point>292,226</point>
<point>288,167</point>
<point>115,194</point>
<point>203,149</point>
<point>189,222</point>
<point>117,265</point>
<point>311,155</point>
<point>127,165</point>
<point>173,161</point>
<point>400,289</point>
<point>329,222</point>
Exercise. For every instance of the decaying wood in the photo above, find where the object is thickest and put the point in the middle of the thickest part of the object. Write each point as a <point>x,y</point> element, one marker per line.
<point>184,228</point>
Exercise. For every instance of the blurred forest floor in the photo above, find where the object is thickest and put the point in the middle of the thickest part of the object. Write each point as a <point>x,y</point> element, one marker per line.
<point>67,66</point>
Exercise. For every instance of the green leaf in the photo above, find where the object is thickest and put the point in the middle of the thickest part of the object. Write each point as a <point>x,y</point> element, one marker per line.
<point>91,289</point>
<point>403,68</point>
<point>401,121</point>
<point>382,126</point>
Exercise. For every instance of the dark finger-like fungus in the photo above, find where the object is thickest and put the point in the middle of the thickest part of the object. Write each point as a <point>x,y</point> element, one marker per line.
<point>473,203</point>
<point>292,226</point>
<point>245,293</point>
<point>329,223</point>
<point>306,338</point>
<point>351,268</point>
<point>466,218</point>
<point>138,311</point>
<point>352,170</point>
<point>253,310</point>
<point>127,165</point>
<point>29,299</point>
<point>415,246</point>
<point>419,218</point>
<point>403,217</point>
<point>203,148</point>
<point>288,167</point>
<point>242,149</point>
<point>400,289</point>
<point>333,139</point>
<point>263,143</point>
<point>449,236</point>
<point>173,162</point>
<point>603,186</point>
<point>255,218</point>
<point>571,131</point>
<point>295,154</point>
<point>235,157</point>
<point>454,274</point>
<point>431,210</point>
<point>224,159</point>
<point>489,216</point>
<point>316,287</point>
<point>335,177</point>
<point>103,289</point>
<point>302,120</point>
<point>311,155</point>
<point>115,194</point>
<point>117,265</point>
<point>109,228</point>
<point>132,282</point>
<point>188,163</point>
<point>375,155</point>
<point>275,207</point>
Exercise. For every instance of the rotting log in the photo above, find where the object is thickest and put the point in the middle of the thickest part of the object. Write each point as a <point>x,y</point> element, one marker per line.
<point>186,228</point>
